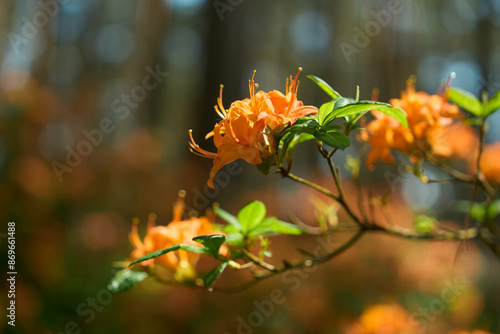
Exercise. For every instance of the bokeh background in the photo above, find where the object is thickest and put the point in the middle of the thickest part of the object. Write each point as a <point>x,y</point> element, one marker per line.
<point>68,65</point>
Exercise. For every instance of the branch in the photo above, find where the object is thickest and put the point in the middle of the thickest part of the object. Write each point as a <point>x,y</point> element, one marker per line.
<point>409,233</point>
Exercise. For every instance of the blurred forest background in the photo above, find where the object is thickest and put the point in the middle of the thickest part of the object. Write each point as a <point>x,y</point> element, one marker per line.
<point>71,70</point>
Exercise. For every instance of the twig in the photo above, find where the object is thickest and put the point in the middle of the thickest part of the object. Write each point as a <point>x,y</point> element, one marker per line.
<point>258,262</point>
<point>322,190</point>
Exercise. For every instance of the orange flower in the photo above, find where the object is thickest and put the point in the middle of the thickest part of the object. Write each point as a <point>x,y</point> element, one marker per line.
<point>181,263</point>
<point>281,110</point>
<point>429,118</point>
<point>386,319</point>
<point>249,128</point>
<point>457,140</point>
<point>489,163</point>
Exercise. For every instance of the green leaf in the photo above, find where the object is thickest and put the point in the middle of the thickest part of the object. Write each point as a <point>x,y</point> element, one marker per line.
<point>211,242</point>
<point>126,279</point>
<point>492,105</point>
<point>155,254</point>
<point>478,210</point>
<point>358,127</point>
<point>229,218</point>
<point>265,166</point>
<point>466,101</point>
<point>309,126</point>
<point>325,110</point>
<point>330,128</point>
<point>353,108</point>
<point>251,215</point>
<point>213,274</point>
<point>273,226</point>
<point>235,239</point>
<point>398,114</point>
<point>343,101</point>
<point>233,235</point>
<point>189,248</point>
<point>424,224</point>
<point>324,86</point>
<point>333,139</point>
<point>306,119</point>
<point>493,209</point>
<point>195,249</point>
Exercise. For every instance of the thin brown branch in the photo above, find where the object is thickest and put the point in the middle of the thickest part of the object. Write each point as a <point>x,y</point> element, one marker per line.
<point>308,183</point>
<point>409,233</point>
<point>257,261</point>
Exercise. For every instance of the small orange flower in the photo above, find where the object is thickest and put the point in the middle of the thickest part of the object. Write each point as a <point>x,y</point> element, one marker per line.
<point>386,319</point>
<point>249,128</point>
<point>490,164</point>
<point>181,263</point>
<point>429,119</point>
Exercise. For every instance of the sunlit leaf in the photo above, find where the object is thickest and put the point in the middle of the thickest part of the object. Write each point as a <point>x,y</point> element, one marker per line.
<point>343,101</point>
<point>466,101</point>
<point>229,218</point>
<point>493,209</point>
<point>126,279</point>
<point>324,110</point>
<point>352,109</point>
<point>324,86</point>
<point>273,226</point>
<point>251,215</point>
<point>235,239</point>
<point>233,235</point>
<point>477,211</point>
<point>397,113</point>
<point>492,105</point>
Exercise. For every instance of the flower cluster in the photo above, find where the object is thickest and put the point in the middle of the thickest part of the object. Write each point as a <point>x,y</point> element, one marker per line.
<point>250,128</point>
<point>431,122</point>
<point>180,263</point>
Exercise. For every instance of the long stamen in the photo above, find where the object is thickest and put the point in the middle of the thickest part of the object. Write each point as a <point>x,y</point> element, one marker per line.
<point>252,85</point>
<point>179,206</point>
<point>293,88</point>
<point>134,234</point>
<point>447,85</point>
<point>295,85</point>
<point>219,108</point>
<point>203,155</point>
<point>196,149</point>
<point>410,84</point>
<point>151,221</point>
